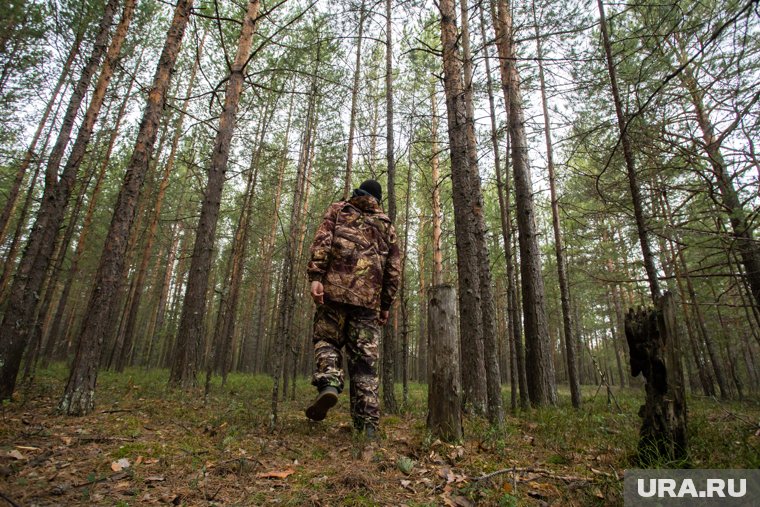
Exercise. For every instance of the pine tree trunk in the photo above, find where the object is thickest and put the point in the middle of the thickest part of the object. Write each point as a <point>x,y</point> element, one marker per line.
<point>23,298</point>
<point>150,233</point>
<point>633,184</point>
<point>435,175</point>
<point>492,377</point>
<point>190,332</point>
<point>354,96</point>
<point>564,286</point>
<point>444,374</point>
<point>540,363</point>
<point>741,226</point>
<point>422,343</point>
<point>263,297</point>
<point>57,333</point>
<point>79,395</point>
<point>10,203</point>
<point>471,322</point>
<point>389,339</point>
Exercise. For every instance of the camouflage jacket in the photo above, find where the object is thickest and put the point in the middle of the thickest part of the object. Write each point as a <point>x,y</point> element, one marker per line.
<point>355,254</point>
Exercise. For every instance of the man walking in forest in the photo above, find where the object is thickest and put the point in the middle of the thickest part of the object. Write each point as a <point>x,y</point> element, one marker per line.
<point>354,272</point>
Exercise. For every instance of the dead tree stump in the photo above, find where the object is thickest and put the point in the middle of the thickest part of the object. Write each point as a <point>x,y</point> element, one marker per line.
<point>444,378</point>
<point>653,339</point>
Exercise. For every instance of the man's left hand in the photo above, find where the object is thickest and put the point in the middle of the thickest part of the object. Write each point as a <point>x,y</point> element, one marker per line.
<point>383,317</point>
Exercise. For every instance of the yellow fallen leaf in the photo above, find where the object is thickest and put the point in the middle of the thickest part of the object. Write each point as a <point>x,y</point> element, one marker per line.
<point>275,474</point>
<point>27,448</point>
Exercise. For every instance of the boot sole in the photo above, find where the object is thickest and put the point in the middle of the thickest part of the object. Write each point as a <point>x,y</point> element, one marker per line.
<point>318,410</point>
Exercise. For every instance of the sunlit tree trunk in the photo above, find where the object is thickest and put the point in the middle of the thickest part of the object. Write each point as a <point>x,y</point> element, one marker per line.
<point>190,333</point>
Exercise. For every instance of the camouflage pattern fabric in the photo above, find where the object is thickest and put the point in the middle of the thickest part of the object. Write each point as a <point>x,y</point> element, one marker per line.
<point>338,325</point>
<point>355,255</point>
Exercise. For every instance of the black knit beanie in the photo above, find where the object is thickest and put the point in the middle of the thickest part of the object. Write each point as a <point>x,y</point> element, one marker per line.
<point>373,188</point>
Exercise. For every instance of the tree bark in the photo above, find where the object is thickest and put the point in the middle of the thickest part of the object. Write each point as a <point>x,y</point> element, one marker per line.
<point>471,321</point>
<point>30,275</point>
<point>10,203</point>
<point>389,336</point>
<point>79,395</point>
<point>539,358</point>
<point>190,333</point>
<point>494,409</point>
<point>444,418</point>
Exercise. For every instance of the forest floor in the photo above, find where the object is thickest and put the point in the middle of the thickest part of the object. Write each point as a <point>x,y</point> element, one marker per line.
<point>147,445</point>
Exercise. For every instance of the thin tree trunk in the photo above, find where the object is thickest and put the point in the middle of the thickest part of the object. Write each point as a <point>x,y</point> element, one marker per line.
<point>564,286</point>
<point>10,203</point>
<point>79,395</point>
<point>190,332</point>
<point>540,363</point>
<point>493,401</point>
<point>19,233</point>
<point>263,298</point>
<point>354,96</point>
<point>56,332</point>
<point>638,208</point>
<point>282,338</point>
<point>435,174</point>
<point>389,339</point>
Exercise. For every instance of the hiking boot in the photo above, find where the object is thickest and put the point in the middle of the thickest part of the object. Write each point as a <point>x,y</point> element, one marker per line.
<point>326,400</point>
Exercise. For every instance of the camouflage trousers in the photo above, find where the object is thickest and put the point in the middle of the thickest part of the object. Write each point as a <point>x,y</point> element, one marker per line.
<point>355,328</point>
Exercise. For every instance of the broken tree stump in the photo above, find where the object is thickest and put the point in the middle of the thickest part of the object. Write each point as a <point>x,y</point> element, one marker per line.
<point>653,339</point>
<point>444,378</point>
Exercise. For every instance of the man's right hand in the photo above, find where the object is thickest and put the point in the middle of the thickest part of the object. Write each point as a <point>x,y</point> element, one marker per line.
<point>318,292</point>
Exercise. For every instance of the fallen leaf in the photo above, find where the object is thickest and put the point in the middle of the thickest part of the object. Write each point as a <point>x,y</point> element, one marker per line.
<point>16,455</point>
<point>168,498</point>
<point>155,478</point>
<point>67,440</point>
<point>461,501</point>
<point>139,460</point>
<point>276,475</point>
<point>27,448</point>
<point>118,466</point>
<point>507,487</point>
<point>408,485</point>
